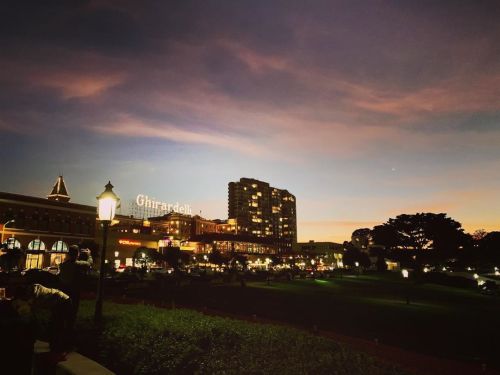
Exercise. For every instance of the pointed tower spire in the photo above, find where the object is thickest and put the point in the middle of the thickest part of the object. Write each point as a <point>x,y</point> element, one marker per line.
<point>59,192</point>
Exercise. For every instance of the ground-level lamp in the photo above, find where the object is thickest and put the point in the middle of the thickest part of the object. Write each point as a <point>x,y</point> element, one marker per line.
<point>107,203</point>
<point>406,274</point>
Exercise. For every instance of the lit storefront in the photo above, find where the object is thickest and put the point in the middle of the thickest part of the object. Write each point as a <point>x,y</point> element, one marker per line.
<point>228,243</point>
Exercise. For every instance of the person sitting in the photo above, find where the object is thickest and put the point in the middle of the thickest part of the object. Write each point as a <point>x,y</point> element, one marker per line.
<point>29,299</point>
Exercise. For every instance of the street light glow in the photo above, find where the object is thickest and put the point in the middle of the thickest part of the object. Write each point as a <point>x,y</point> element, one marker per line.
<point>107,203</point>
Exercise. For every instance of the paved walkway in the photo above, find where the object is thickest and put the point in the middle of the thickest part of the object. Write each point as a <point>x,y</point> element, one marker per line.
<point>74,364</point>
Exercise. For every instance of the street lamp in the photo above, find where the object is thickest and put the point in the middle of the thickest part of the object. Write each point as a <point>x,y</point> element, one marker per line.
<point>3,229</point>
<point>107,203</point>
<point>405,274</point>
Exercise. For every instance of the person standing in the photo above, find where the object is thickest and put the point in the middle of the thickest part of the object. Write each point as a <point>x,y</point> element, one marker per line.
<point>72,273</point>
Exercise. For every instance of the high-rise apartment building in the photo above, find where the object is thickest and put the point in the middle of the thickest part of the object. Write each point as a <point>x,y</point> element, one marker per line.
<point>263,211</point>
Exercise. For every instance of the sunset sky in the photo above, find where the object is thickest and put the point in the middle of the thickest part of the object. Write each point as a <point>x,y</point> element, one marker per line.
<point>362,109</point>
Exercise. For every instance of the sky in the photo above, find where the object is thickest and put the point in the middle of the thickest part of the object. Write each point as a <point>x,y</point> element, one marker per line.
<point>362,109</point>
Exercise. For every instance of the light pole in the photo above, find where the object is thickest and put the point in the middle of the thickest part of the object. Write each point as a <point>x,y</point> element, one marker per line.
<point>3,229</point>
<point>107,202</point>
<point>405,274</point>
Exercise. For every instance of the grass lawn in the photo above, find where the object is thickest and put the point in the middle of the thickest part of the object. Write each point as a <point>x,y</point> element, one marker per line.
<point>441,321</point>
<point>140,339</point>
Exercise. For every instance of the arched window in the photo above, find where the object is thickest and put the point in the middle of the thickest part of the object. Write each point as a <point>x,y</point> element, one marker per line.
<point>60,246</point>
<point>12,243</point>
<point>37,245</point>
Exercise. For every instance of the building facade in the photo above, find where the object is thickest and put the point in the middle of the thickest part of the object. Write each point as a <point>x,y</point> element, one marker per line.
<point>261,210</point>
<point>262,221</point>
<point>45,228</point>
<point>330,252</point>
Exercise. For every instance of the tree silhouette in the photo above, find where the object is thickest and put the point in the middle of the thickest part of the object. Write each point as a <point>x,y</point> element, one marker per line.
<point>175,257</point>
<point>216,257</point>
<point>150,255</point>
<point>489,248</point>
<point>421,231</point>
<point>361,238</point>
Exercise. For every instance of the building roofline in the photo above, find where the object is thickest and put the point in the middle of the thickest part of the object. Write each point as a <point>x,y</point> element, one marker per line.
<point>44,201</point>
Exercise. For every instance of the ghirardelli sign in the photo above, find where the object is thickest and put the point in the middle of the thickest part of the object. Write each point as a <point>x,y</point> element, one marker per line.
<point>144,201</point>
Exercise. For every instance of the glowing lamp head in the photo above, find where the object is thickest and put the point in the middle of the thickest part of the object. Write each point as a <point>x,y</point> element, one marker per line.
<point>356,264</point>
<point>107,202</point>
<point>143,255</point>
<point>405,273</point>
<point>476,276</point>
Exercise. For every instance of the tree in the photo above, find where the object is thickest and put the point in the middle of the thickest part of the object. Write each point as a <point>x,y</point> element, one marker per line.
<point>216,257</point>
<point>489,249</point>
<point>361,238</point>
<point>421,231</point>
<point>446,235</point>
<point>380,253</point>
<point>175,257</point>
<point>386,236</point>
<point>242,260</point>
<point>150,256</point>
<point>353,255</point>
<point>479,234</point>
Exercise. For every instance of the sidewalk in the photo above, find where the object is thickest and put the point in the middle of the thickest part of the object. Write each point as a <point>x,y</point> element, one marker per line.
<point>74,364</point>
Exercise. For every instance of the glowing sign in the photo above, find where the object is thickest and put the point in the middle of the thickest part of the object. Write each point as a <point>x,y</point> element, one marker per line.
<point>129,243</point>
<point>144,201</point>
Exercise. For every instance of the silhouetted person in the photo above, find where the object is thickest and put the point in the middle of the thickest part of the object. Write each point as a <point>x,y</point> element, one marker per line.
<point>30,298</point>
<point>72,273</point>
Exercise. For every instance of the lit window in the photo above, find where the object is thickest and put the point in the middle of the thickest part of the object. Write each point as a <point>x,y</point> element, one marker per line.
<point>12,243</point>
<point>60,246</point>
<point>36,245</point>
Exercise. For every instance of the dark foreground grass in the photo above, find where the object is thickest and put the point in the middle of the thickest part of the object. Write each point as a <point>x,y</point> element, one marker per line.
<point>441,321</point>
<point>140,339</point>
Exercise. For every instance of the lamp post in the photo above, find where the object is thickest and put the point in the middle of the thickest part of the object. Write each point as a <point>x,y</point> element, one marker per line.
<point>3,229</point>
<point>107,202</point>
<point>405,274</point>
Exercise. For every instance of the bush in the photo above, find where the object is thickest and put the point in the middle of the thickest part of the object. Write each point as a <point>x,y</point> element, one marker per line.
<point>453,281</point>
<point>147,340</point>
